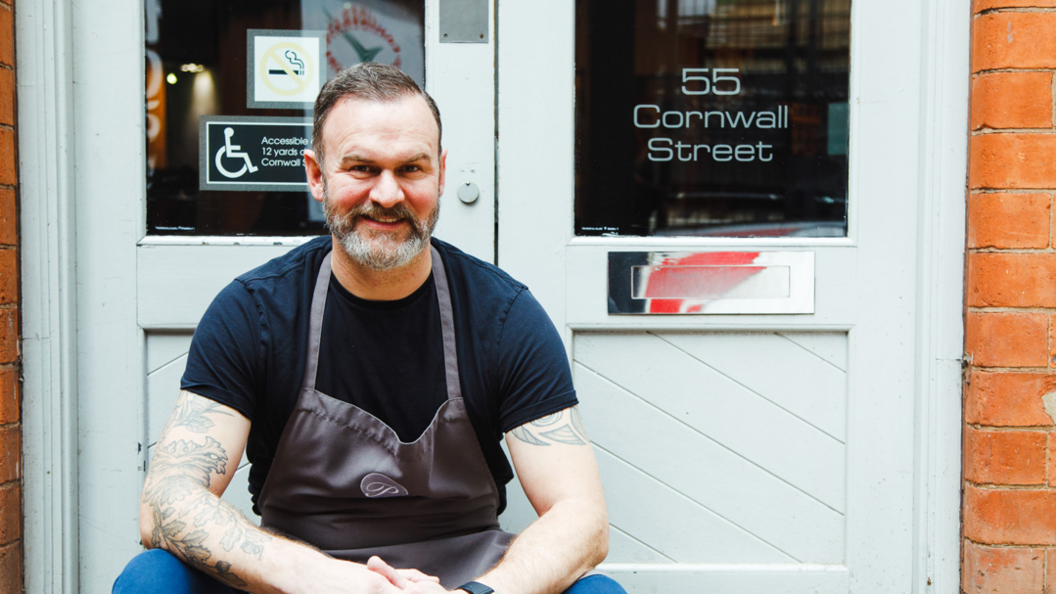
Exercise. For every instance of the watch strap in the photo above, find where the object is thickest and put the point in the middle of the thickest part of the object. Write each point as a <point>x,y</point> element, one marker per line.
<point>476,588</point>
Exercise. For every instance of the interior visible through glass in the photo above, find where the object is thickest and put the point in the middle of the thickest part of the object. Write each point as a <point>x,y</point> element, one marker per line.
<point>196,52</point>
<point>712,117</point>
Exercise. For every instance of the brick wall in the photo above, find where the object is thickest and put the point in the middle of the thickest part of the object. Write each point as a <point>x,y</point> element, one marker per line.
<point>1010,334</point>
<point>10,363</point>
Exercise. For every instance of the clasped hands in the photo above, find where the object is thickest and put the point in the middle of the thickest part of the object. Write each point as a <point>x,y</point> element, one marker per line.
<point>410,581</point>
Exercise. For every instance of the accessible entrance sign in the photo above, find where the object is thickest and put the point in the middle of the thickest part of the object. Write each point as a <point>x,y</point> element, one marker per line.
<point>244,154</point>
<point>283,67</point>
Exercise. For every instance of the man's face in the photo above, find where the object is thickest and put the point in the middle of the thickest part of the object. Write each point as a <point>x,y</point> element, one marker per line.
<point>381,180</point>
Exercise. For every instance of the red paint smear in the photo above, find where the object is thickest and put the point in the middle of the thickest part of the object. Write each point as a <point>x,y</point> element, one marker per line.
<point>664,281</point>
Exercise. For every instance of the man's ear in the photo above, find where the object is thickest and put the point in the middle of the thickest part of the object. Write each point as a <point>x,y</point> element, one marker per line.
<point>314,170</point>
<point>443,172</point>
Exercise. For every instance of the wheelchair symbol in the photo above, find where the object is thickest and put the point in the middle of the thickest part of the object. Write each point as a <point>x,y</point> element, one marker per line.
<point>232,151</point>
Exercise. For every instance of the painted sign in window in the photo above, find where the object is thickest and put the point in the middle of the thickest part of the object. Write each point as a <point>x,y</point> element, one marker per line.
<point>229,84</point>
<point>712,117</point>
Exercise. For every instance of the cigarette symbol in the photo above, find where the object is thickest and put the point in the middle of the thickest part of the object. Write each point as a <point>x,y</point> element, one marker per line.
<point>296,62</point>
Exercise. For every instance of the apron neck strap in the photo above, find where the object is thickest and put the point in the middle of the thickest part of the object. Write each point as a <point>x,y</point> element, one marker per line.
<point>447,325</point>
<point>315,324</point>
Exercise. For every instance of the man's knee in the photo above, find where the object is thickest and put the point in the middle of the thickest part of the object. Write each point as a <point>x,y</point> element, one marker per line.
<point>158,572</point>
<point>596,584</point>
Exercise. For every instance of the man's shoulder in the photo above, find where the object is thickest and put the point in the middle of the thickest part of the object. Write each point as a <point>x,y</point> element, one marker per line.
<point>475,274</point>
<point>292,267</point>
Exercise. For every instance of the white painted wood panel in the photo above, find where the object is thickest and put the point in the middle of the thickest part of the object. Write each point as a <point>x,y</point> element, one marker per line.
<point>163,387</point>
<point>624,548</point>
<point>177,283</point>
<point>830,346</point>
<point>783,373</point>
<point>730,579</point>
<point>710,474</point>
<point>708,402</point>
<point>165,347</point>
<point>461,79</point>
<point>673,524</point>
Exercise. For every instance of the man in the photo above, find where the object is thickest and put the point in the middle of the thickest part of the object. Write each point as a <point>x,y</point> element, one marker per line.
<point>369,376</point>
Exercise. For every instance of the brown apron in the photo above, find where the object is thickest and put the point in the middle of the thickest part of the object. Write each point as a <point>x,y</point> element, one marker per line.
<point>342,480</point>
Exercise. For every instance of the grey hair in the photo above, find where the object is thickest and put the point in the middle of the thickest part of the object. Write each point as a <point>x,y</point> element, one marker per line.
<point>370,81</point>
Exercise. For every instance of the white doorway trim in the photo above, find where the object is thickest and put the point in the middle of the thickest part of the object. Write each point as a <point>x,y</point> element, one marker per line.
<point>940,278</point>
<point>49,295</point>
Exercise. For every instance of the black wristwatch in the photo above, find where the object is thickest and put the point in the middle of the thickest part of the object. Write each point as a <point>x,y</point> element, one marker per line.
<point>476,588</point>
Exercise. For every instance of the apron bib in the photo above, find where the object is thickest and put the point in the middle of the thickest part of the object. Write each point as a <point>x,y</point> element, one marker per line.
<point>342,481</point>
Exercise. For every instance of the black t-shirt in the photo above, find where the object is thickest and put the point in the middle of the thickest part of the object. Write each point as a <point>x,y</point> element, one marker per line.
<point>385,357</point>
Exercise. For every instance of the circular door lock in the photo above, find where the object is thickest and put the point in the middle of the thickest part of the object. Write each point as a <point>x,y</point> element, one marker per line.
<point>468,192</point>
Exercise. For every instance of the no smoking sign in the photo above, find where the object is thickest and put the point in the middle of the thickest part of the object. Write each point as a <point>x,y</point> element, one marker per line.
<point>283,67</point>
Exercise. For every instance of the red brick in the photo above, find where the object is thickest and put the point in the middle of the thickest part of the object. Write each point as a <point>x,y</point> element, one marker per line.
<point>1010,516</point>
<point>1012,100</point>
<point>1014,40</point>
<point>1051,475</point>
<point>8,220</point>
<point>996,280</point>
<point>7,97</point>
<point>9,343</point>
<point>10,453</point>
<point>8,276</point>
<point>11,568</point>
<point>990,570</point>
<point>1050,571</point>
<point>981,5</point>
<point>1009,220</point>
<point>1007,339</point>
<point>1005,457</point>
<point>1001,399</point>
<point>10,513</point>
<point>9,406</point>
<point>1013,161</point>
<point>7,36</point>
<point>8,163</point>
<point>1052,341</point>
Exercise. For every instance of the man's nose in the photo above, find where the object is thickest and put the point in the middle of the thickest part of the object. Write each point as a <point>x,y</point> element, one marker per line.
<point>386,191</point>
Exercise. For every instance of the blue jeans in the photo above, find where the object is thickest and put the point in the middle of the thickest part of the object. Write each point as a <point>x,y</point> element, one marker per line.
<point>158,572</point>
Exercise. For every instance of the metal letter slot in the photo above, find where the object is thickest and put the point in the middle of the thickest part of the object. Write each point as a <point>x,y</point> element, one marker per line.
<point>463,21</point>
<point>711,282</point>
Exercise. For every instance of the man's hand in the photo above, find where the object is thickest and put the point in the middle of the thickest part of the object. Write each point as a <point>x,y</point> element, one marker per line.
<point>334,576</point>
<point>401,578</point>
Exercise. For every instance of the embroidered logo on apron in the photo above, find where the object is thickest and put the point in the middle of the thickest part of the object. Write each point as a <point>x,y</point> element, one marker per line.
<point>376,485</point>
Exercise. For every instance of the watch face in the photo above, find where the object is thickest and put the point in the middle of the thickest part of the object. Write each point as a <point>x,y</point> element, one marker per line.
<point>476,588</point>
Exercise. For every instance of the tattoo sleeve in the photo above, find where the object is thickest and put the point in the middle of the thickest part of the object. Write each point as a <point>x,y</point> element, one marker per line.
<point>561,427</point>
<point>188,520</point>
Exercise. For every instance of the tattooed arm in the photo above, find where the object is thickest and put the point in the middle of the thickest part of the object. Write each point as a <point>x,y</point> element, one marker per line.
<point>181,511</point>
<point>556,467</point>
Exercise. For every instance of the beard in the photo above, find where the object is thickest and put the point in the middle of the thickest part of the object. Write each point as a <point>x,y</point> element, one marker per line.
<point>379,250</point>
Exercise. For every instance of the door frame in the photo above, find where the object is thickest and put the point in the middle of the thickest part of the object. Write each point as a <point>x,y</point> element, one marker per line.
<point>536,185</point>
<point>49,286</point>
<point>53,235</point>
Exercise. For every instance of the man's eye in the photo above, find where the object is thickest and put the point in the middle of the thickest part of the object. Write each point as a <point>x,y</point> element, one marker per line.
<point>412,168</point>
<point>361,168</point>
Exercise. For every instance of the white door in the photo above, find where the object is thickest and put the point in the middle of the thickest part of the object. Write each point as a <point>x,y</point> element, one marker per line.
<point>766,451</point>
<point>140,295</point>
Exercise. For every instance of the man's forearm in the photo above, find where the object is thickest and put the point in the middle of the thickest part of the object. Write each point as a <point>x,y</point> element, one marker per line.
<point>557,549</point>
<point>179,514</point>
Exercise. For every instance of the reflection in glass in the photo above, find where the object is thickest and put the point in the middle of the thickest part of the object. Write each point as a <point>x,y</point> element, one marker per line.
<point>712,117</point>
<point>195,66</point>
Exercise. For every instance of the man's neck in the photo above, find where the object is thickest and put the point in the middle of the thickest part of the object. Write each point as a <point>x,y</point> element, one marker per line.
<point>381,285</point>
